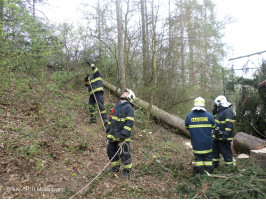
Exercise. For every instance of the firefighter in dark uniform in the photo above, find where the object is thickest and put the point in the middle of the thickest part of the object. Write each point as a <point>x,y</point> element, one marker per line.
<point>200,123</point>
<point>95,87</point>
<point>223,133</point>
<point>118,130</point>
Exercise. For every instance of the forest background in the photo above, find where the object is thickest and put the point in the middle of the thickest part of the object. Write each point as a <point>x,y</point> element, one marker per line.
<point>167,61</point>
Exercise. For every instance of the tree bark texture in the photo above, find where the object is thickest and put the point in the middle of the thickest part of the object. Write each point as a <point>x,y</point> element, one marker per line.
<point>146,71</point>
<point>244,143</point>
<point>33,9</point>
<point>121,65</point>
<point>1,15</point>
<point>126,52</point>
<point>154,70</point>
<point>169,119</point>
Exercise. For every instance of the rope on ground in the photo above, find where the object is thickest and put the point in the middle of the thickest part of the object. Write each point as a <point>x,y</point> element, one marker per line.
<point>97,174</point>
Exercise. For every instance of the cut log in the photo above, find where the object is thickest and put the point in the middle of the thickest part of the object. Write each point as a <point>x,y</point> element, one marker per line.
<point>244,143</point>
<point>169,119</point>
<point>259,157</point>
<point>243,156</point>
<point>258,154</point>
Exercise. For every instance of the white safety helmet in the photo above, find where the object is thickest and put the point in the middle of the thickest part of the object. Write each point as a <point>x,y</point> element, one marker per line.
<point>199,104</point>
<point>131,96</point>
<point>222,101</point>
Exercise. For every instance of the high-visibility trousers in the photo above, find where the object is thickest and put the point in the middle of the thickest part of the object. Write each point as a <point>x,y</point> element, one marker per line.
<point>203,162</point>
<point>124,157</point>
<point>93,107</point>
<point>224,148</point>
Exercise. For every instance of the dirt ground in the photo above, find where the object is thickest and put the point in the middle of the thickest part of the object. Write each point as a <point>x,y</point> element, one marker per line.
<point>48,156</point>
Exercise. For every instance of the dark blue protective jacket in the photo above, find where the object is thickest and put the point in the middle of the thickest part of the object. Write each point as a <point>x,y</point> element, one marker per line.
<point>200,124</point>
<point>95,83</point>
<point>120,122</point>
<point>224,121</point>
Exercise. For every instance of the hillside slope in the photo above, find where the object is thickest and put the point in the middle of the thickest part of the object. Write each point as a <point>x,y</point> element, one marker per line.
<point>48,151</point>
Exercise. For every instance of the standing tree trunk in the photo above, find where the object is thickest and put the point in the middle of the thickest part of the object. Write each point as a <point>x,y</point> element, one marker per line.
<point>99,20</point>
<point>33,9</point>
<point>190,44</point>
<point>145,72</point>
<point>154,70</point>
<point>121,65</point>
<point>125,44</point>
<point>182,43</point>
<point>169,60</point>
<point>1,15</point>
<point>205,66</point>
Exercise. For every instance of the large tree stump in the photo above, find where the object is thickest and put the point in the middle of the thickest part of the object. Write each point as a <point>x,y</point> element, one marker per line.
<point>244,143</point>
<point>259,157</point>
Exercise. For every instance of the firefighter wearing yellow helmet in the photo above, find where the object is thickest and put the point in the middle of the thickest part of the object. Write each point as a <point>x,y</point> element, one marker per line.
<point>200,124</point>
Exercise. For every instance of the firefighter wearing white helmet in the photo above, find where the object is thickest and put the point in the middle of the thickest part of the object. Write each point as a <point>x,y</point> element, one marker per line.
<point>130,96</point>
<point>118,130</point>
<point>222,101</point>
<point>200,123</point>
<point>223,134</point>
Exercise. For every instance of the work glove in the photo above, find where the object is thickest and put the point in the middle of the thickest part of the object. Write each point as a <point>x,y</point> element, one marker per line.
<point>87,80</point>
<point>213,132</point>
<point>225,136</point>
<point>216,132</point>
<point>89,63</point>
<point>120,137</point>
<point>117,135</point>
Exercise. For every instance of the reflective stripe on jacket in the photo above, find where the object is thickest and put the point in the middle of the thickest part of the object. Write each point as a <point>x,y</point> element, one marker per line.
<point>95,83</point>
<point>224,120</point>
<point>121,122</point>
<point>200,124</point>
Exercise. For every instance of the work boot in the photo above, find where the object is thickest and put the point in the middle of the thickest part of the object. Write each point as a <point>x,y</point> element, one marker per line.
<point>199,170</point>
<point>209,169</point>
<point>215,164</point>
<point>114,169</point>
<point>126,173</point>
<point>92,121</point>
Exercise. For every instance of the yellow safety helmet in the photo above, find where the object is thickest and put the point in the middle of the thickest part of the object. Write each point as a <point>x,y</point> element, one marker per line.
<point>199,104</point>
<point>199,101</point>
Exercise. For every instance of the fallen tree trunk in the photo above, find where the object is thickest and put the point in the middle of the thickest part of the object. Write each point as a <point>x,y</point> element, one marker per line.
<point>169,119</point>
<point>244,143</point>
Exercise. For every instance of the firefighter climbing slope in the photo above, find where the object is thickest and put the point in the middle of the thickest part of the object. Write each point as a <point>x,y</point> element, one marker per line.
<point>223,134</point>
<point>200,124</point>
<point>95,87</point>
<point>119,130</point>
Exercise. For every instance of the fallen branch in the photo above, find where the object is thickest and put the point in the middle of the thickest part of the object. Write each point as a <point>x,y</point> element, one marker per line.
<point>215,176</point>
